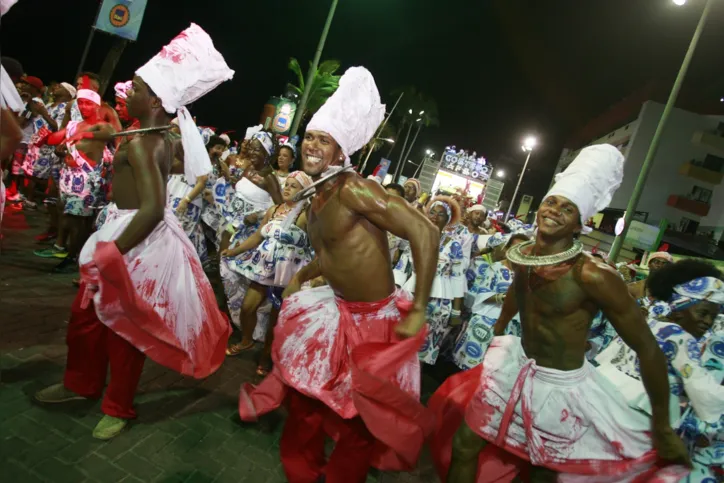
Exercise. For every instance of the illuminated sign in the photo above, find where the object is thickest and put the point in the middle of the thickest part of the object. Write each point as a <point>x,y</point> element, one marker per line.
<point>467,165</point>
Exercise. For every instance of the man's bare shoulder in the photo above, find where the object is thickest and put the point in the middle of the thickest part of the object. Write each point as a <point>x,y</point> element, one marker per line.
<point>598,274</point>
<point>152,146</point>
<point>358,193</point>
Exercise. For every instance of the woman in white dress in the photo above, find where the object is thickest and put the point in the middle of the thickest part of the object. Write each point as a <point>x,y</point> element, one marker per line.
<point>269,258</point>
<point>444,308</point>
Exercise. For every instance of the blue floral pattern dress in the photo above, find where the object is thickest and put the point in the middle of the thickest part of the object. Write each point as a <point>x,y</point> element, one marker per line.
<point>485,280</point>
<point>448,285</point>
<point>45,163</point>
<point>178,188</point>
<point>696,372</point>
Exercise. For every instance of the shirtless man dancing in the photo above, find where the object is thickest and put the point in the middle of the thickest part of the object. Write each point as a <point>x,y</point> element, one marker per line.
<point>330,340</point>
<point>536,399</point>
<point>143,291</point>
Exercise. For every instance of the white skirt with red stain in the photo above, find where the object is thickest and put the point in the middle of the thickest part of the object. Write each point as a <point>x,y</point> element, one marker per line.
<point>156,296</point>
<point>346,355</point>
<point>573,422</point>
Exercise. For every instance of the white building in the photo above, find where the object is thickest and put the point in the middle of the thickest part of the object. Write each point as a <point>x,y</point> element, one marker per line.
<point>684,185</point>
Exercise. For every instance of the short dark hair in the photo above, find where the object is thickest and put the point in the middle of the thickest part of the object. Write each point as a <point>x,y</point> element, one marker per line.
<point>517,236</point>
<point>394,186</point>
<point>661,283</point>
<point>215,141</point>
<point>92,76</point>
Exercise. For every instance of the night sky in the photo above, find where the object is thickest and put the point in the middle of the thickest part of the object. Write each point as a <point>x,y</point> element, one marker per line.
<point>499,70</point>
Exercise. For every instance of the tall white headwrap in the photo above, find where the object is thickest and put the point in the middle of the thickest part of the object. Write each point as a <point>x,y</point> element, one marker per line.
<point>590,180</point>
<point>9,96</point>
<point>353,113</point>
<point>5,5</point>
<point>181,73</point>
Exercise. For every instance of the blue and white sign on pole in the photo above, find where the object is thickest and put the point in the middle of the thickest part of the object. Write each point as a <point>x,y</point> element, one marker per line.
<point>122,18</point>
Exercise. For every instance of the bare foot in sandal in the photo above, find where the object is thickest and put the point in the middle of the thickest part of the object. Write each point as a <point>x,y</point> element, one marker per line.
<point>238,348</point>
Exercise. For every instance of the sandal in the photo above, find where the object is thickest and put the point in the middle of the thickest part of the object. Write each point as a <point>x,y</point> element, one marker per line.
<point>236,349</point>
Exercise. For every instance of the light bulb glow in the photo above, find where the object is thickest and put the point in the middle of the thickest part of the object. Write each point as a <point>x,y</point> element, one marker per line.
<point>679,2</point>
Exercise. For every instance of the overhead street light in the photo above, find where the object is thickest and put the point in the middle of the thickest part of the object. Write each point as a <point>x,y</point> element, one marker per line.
<point>500,173</point>
<point>528,144</point>
<point>680,2</point>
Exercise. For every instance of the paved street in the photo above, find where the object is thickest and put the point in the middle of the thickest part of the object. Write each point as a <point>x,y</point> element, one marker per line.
<point>187,430</point>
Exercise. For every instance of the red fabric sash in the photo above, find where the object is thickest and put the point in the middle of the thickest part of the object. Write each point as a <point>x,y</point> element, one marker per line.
<point>398,420</point>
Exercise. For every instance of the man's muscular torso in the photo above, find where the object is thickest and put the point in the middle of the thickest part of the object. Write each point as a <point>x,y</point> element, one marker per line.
<point>125,193</point>
<point>353,253</point>
<point>556,315</point>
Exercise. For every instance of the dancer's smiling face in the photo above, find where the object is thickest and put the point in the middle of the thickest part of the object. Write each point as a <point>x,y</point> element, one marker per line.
<point>319,152</point>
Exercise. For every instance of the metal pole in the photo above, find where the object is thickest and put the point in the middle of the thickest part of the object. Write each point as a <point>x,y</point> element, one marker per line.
<point>85,51</point>
<point>110,63</point>
<point>312,70</point>
<point>379,132</point>
<point>402,160</point>
<point>653,148</point>
<point>517,187</point>
<point>412,144</point>
<point>419,166</point>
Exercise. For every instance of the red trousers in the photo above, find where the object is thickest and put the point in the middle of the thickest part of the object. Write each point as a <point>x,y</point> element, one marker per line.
<point>91,348</point>
<point>303,438</point>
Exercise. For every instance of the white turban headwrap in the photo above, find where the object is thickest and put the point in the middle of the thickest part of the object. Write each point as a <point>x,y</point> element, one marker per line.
<point>9,95</point>
<point>181,73</point>
<point>590,180</point>
<point>250,131</point>
<point>266,141</point>
<point>353,113</point>
<point>302,177</point>
<point>89,95</point>
<point>71,89</point>
<point>477,208</point>
<point>122,89</point>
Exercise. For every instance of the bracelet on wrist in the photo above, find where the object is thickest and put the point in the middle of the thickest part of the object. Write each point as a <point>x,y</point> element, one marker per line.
<point>455,313</point>
<point>187,199</point>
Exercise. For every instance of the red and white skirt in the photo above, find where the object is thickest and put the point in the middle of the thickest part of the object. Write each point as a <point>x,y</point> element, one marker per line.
<point>156,296</point>
<point>346,355</point>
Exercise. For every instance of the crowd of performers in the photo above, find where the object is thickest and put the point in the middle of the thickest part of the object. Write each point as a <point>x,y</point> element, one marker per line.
<point>563,370</point>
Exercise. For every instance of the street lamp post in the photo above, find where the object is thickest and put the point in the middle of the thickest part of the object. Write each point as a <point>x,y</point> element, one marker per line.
<point>428,154</point>
<point>312,71</point>
<point>379,131</point>
<point>528,146</point>
<point>653,148</point>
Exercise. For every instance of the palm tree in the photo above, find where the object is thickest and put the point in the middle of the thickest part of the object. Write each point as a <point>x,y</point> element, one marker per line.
<point>325,83</point>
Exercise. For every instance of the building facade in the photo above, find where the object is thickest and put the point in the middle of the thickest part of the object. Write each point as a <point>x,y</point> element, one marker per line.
<point>684,185</point>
